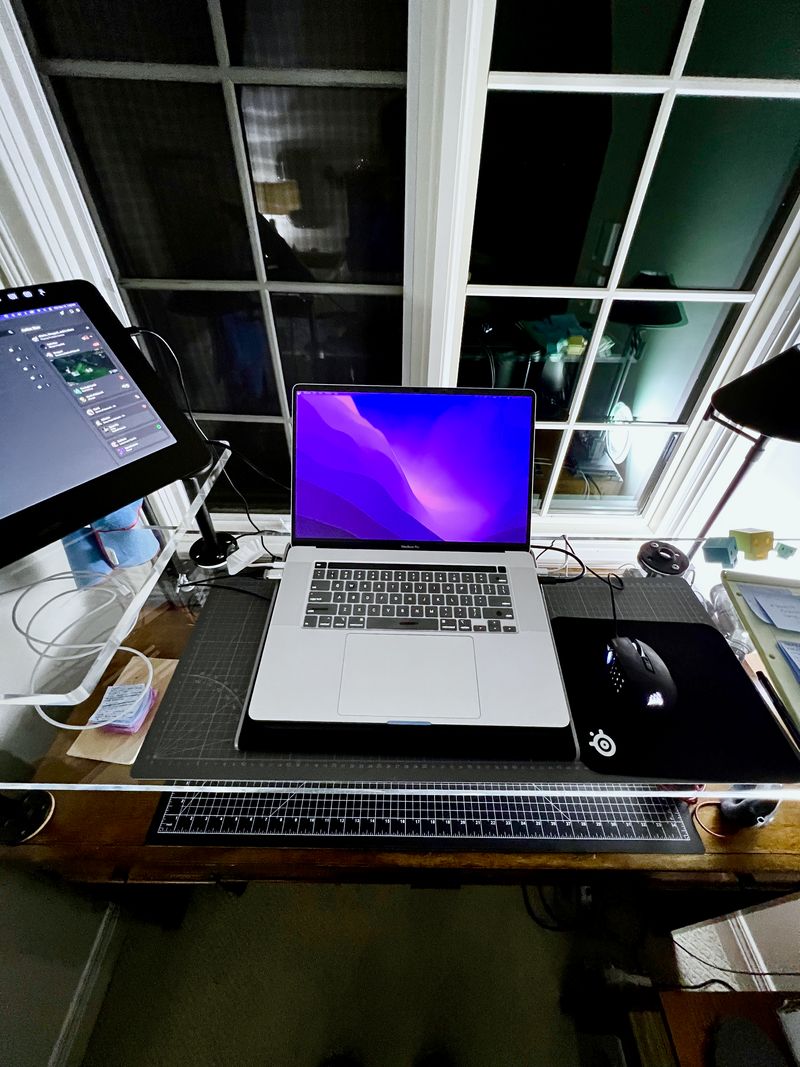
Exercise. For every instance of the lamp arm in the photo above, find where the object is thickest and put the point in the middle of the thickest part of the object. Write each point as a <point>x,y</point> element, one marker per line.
<point>753,453</point>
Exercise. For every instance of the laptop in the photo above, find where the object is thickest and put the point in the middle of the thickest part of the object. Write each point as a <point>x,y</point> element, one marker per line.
<point>409,596</point>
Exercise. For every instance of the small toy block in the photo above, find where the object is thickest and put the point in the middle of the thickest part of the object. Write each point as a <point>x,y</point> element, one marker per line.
<point>721,550</point>
<point>756,544</point>
<point>785,551</point>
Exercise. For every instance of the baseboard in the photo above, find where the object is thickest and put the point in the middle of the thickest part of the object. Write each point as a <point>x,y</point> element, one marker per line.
<point>73,1039</point>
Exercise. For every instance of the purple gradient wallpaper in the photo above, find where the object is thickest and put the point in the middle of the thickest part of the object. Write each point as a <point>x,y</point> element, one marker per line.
<point>385,466</point>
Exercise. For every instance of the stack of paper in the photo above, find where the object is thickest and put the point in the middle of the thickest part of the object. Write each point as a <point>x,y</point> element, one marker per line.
<point>791,650</point>
<point>773,604</point>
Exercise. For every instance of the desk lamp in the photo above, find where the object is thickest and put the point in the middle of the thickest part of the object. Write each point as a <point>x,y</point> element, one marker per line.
<point>647,314</point>
<point>764,400</point>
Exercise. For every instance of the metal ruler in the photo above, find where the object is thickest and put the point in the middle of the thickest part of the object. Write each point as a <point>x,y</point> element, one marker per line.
<point>558,816</point>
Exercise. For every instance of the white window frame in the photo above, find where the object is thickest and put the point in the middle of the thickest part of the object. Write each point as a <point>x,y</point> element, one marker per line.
<point>50,231</point>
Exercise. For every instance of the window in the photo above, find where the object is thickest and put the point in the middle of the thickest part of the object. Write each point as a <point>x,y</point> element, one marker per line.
<point>246,163</point>
<point>612,190</point>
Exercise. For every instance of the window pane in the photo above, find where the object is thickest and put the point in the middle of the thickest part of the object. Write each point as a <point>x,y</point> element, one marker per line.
<point>159,161</point>
<point>545,446</point>
<point>724,181</point>
<point>656,357</point>
<point>146,31</point>
<point>264,444</point>
<point>328,168</point>
<point>591,478</point>
<point>511,343</point>
<point>557,175</point>
<point>618,37</point>
<point>221,343</point>
<point>740,39</point>
<point>339,339</point>
<point>344,34</point>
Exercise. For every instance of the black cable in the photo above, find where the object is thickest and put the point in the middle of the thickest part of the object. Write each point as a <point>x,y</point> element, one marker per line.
<point>532,914</point>
<point>550,912</point>
<point>137,330</point>
<point>700,985</point>
<point>734,970</point>
<point>251,465</point>
<point>606,579</point>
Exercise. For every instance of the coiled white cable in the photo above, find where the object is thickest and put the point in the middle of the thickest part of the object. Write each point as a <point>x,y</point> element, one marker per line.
<point>42,647</point>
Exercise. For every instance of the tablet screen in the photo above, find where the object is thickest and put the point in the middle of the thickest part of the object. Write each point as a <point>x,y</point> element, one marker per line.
<point>70,410</point>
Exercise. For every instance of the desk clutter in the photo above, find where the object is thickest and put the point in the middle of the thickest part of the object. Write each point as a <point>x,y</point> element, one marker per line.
<point>732,734</point>
<point>559,817</point>
<point>770,612</point>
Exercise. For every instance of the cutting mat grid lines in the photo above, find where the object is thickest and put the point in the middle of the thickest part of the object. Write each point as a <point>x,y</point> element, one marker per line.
<point>193,733</point>
<point>458,814</point>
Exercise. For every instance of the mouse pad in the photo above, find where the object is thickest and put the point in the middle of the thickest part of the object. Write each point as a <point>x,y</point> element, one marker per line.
<point>718,731</point>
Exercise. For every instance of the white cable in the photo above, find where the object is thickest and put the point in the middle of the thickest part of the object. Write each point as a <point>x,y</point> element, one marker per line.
<point>44,653</point>
<point>97,725</point>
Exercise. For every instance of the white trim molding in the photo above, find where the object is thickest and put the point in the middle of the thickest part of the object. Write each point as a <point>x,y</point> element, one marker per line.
<point>46,231</point>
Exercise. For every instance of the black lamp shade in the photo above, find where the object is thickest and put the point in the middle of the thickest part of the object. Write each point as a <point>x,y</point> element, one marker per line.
<point>649,313</point>
<point>766,399</point>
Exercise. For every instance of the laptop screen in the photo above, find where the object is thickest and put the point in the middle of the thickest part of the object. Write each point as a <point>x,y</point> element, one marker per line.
<point>412,467</point>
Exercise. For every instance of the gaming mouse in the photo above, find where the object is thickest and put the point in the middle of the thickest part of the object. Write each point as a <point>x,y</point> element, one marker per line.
<point>639,675</point>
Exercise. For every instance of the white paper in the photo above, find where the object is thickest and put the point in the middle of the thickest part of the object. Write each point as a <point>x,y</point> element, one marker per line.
<point>791,650</point>
<point>782,607</point>
<point>750,594</point>
<point>120,704</point>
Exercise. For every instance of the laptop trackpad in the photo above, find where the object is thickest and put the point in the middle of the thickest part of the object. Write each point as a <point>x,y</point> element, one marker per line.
<point>413,678</point>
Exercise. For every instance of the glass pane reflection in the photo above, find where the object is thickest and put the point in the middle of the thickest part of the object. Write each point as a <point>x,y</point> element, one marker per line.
<point>659,357</point>
<point>328,169</point>
<point>264,444</point>
<point>339,339</point>
<point>147,31</point>
<point>159,161</point>
<point>618,37</point>
<point>740,39</point>
<point>612,469</point>
<point>221,343</point>
<point>725,180</point>
<point>545,446</point>
<point>556,180</point>
<point>510,343</point>
<point>343,34</point>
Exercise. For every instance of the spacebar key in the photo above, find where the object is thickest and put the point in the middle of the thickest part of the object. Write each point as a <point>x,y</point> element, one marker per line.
<point>381,623</point>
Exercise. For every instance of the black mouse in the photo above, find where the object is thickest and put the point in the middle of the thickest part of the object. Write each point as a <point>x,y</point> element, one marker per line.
<point>639,675</point>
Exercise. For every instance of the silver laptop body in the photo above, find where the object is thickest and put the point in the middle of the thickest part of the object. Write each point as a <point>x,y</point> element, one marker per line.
<point>366,629</point>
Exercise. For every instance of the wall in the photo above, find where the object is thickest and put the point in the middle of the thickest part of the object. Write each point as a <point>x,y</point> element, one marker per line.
<point>54,946</point>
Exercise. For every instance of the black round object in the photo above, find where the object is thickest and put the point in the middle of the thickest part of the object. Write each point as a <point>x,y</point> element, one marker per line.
<point>204,555</point>
<point>747,813</point>
<point>23,816</point>
<point>662,559</point>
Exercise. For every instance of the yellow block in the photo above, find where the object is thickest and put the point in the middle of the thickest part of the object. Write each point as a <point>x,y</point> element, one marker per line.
<point>756,544</point>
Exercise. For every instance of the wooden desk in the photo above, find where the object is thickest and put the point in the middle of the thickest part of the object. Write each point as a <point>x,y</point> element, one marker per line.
<point>99,837</point>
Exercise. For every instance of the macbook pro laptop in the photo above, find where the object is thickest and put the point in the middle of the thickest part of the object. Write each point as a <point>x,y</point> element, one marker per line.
<point>409,595</point>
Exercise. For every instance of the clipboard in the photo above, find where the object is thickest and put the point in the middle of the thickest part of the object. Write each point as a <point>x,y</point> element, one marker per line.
<point>766,637</point>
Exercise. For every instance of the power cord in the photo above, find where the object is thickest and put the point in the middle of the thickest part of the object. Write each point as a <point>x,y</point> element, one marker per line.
<point>136,331</point>
<point>608,580</point>
<point>43,647</point>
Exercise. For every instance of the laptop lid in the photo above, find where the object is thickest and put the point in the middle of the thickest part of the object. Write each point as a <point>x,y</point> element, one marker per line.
<point>412,468</point>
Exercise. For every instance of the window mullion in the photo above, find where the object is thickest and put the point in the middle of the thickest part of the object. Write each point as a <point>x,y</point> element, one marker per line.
<point>243,174</point>
<point>449,50</point>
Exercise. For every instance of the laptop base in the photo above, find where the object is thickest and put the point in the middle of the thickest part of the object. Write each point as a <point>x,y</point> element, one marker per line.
<point>407,741</point>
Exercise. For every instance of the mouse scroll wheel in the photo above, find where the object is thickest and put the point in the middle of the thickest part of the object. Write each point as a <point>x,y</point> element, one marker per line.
<point>645,658</point>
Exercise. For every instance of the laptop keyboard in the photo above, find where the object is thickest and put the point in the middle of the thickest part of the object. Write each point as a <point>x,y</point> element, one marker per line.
<point>402,597</point>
